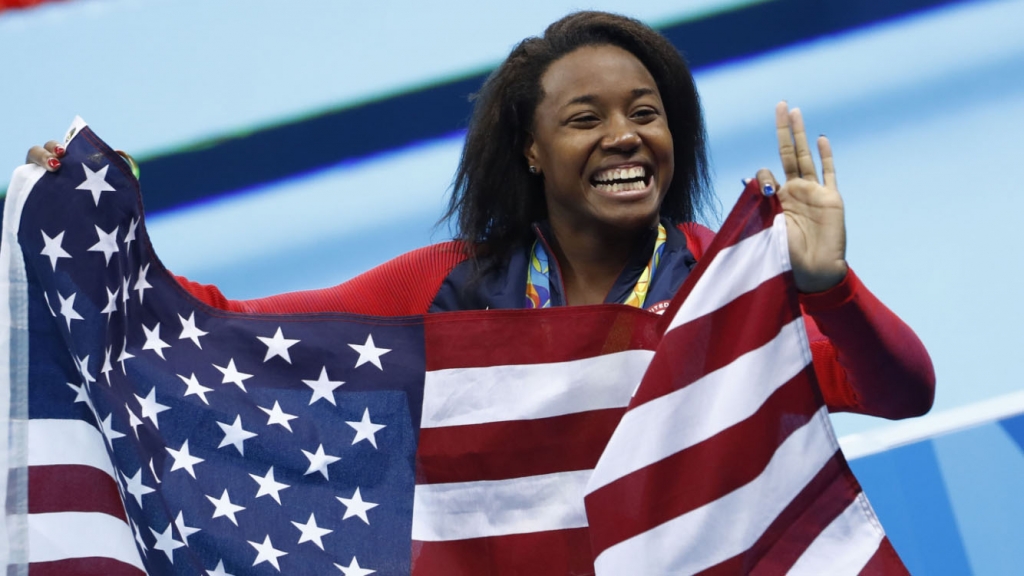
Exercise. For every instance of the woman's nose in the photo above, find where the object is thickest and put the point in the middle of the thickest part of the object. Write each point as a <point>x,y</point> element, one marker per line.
<point>621,137</point>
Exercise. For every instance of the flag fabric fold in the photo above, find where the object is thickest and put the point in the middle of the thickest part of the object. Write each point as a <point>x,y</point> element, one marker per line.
<point>149,433</point>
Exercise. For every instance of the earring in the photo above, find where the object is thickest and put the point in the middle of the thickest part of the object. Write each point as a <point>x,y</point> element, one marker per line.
<point>533,170</point>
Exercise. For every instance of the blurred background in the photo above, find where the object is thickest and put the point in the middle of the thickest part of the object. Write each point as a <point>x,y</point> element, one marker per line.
<point>292,145</point>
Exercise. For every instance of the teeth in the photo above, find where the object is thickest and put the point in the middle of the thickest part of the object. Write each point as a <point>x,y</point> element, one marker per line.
<point>621,174</point>
<point>622,186</point>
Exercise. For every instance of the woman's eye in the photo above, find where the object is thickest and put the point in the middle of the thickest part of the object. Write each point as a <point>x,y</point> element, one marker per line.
<point>645,113</point>
<point>585,119</point>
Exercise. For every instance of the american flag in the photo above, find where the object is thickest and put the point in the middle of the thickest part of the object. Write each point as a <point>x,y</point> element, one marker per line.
<point>150,433</point>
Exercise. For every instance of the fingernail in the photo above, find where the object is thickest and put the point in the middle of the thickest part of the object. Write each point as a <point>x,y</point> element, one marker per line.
<point>58,150</point>
<point>769,190</point>
<point>53,163</point>
<point>746,181</point>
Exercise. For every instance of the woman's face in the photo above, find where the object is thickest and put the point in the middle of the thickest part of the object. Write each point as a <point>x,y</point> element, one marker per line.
<point>601,142</point>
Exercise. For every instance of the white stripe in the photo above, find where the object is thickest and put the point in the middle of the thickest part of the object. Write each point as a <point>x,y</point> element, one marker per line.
<point>676,421</point>
<point>845,546</point>
<point>737,270</point>
<point>63,535</point>
<point>52,442</point>
<point>457,511</point>
<point>460,396</point>
<point>730,525</point>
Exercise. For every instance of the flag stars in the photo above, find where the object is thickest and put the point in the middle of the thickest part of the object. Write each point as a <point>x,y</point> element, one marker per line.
<point>183,460</point>
<point>323,387</point>
<point>130,236</point>
<point>219,570</point>
<point>194,388</point>
<point>141,285</point>
<point>224,507</point>
<point>107,427</point>
<point>183,530</point>
<point>111,306</point>
<point>107,243</point>
<point>278,345</point>
<point>52,248</point>
<point>150,407</point>
<point>189,330</point>
<point>354,569</point>
<point>269,486</point>
<point>82,364</point>
<point>125,355</point>
<point>319,461</point>
<point>166,543</point>
<point>311,532</point>
<point>366,430</point>
<point>356,506</point>
<point>107,366</point>
<point>369,353</point>
<point>233,376</point>
<point>234,435</point>
<point>153,341</point>
<point>133,421</point>
<point>278,416</point>
<point>266,552</point>
<point>67,308</point>
<point>135,487</point>
<point>95,182</point>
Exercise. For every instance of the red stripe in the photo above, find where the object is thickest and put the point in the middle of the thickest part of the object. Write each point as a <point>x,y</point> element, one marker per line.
<point>502,450</point>
<point>885,562</point>
<point>72,488</point>
<point>502,338</point>
<point>555,553</point>
<point>702,473</point>
<point>84,567</point>
<point>715,340</point>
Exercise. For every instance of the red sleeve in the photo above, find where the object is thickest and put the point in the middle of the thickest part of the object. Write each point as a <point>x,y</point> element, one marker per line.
<point>867,360</point>
<point>401,287</point>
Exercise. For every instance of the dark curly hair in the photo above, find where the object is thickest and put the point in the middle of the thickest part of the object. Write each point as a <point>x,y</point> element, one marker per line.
<point>495,200</point>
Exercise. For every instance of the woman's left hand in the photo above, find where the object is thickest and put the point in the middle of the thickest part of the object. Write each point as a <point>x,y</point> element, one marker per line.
<point>814,212</point>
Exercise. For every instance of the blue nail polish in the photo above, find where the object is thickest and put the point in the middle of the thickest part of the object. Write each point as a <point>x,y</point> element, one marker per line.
<point>746,181</point>
<point>769,189</point>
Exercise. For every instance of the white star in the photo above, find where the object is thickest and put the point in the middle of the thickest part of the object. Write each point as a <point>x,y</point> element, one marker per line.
<point>138,536</point>
<point>95,182</point>
<point>278,346</point>
<point>278,416</point>
<point>166,543</point>
<point>142,284</point>
<point>356,506</point>
<point>125,289</point>
<point>266,552</point>
<point>311,532</point>
<point>111,306</point>
<point>130,236</point>
<point>52,248</point>
<point>83,370</point>
<point>135,487</point>
<point>81,394</point>
<point>369,353</point>
<point>224,507</point>
<point>153,341</point>
<point>194,387</point>
<point>184,530</point>
<point>235,435</point>
<point>189,330</point>
<point>354,569</point>
<point>152,471</point>
<point>184,460</point>
<point>47,298</point>
<point>323,387</point>
<point>107,242</point>
<point>366,430</point>
<point>269,486</point>
<point>107,427</point>
<point>150,407</point>
<point>107,366</point>
<point>232,375</point>
<point>218,571</point>
<point>133,421</point>
<point>319,461</point>
<point>67,308</point>
<point>125,355</point>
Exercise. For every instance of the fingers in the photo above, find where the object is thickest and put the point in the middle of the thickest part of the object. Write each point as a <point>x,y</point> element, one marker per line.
<point>767,181</point>
<point>48,156</point>
<point>787,149</point>
<point>828,168</point>
<point>805,162</point>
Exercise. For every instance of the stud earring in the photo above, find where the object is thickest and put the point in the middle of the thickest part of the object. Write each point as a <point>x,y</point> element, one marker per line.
<point>533,170</point>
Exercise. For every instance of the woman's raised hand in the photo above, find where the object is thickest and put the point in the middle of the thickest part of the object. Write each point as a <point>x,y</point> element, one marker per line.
<point>48,155</point>
<point>814,212</point>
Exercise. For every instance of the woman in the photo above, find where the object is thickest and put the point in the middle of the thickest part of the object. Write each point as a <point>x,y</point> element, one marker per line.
<point>583,170</point>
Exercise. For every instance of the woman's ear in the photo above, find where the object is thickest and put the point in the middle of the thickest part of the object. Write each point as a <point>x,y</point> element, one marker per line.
<point>530,152</point>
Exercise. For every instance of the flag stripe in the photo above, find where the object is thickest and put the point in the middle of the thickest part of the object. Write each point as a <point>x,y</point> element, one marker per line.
<point>708,406</point>
<point>719,338</point>
<point>478,509</point>
<point>461,396</point>
<point>73,488</point>
<point>554,553</point>
<point>885,561</point>
<point>729,460</point>
<point>503,450</point>
<point>734,271</point>
<point>845,546</point>
<point>55,442</point>
<point>454,341</point>
<point>93,566</point>
<point>61,535</point>
<point>690,543</point>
